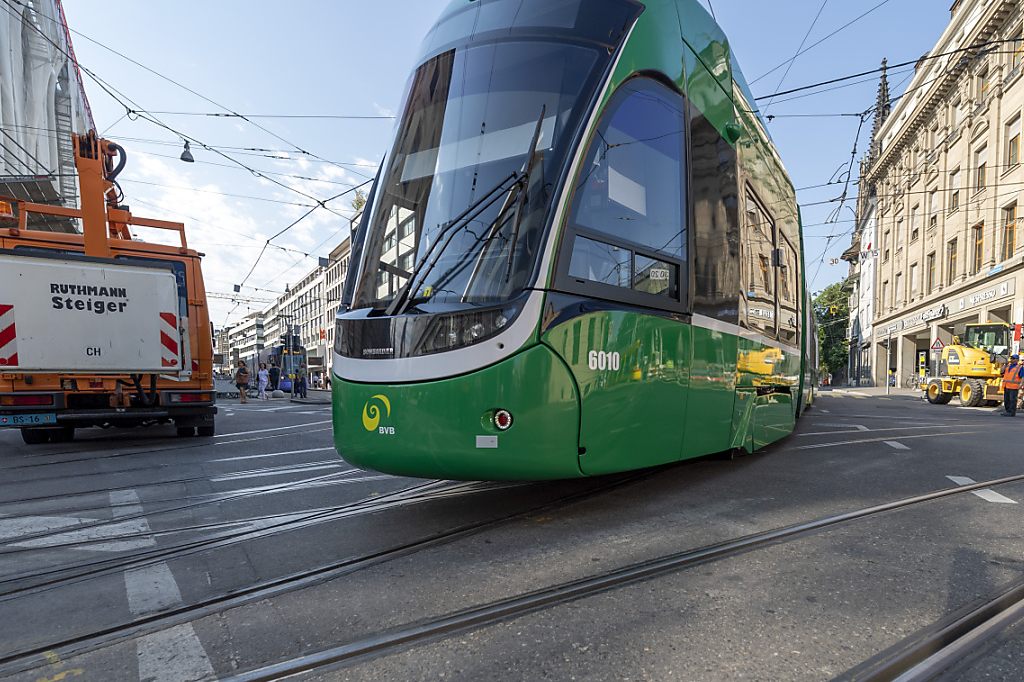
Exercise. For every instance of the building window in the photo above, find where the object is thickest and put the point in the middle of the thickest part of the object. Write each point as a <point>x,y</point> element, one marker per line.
<point>1013,142</point>
<point>897,291</point>
<point>899,229</point>
<point>978,233</point>
<point>983,85</point>
<point>1018,50</point>
<point>915,223</point>
<point>1009,242</point>
<point>954,190</point>
<point>980,163</point>
<point>951,261</point>
<point>933,209</point>
<point>929,281</point>
<point>957,116</point>
<point>885,294</point>
<point>914,289</point>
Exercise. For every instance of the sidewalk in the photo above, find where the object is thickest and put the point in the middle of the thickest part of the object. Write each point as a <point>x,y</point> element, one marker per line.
<point>869,391</point>
<point>314,397</point>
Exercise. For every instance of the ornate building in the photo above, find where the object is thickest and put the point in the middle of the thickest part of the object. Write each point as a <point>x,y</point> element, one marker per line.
<point>940,188</point>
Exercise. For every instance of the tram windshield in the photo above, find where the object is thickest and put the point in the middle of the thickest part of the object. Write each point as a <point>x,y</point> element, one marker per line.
<point>454,211</point>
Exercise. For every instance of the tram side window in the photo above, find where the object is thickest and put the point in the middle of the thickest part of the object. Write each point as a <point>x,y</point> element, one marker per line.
<point>759,241</point>
<point>788,291</point>
<point>627,212</point>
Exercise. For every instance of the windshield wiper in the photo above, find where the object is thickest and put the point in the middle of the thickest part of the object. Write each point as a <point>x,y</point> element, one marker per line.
<point>422,269</point>
<point>524,180</point>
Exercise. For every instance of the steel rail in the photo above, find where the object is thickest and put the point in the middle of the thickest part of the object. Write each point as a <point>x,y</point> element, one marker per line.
<point>934,649</point>
<point>58,577</point>
<point>29,659</point>
<point>405,636</point>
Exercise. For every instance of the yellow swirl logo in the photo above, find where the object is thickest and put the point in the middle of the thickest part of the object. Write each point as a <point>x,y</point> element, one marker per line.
<point>371,411</point>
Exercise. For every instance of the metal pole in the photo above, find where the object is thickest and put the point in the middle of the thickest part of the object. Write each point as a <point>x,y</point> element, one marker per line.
<point>888,363</point>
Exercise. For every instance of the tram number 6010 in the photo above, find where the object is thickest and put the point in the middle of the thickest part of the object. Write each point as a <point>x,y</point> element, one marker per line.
<point>598,359</point>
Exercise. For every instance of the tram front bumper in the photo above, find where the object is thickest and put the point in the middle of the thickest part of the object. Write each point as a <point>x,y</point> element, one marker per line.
<point>445,428</point>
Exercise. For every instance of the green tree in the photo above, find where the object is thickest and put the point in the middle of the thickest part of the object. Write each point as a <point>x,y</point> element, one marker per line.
<point>832,313</point>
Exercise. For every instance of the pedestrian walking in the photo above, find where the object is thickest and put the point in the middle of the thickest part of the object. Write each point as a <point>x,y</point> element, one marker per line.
<point>303,386</point>
<point>1012,376</point>
<point>242,381</point>
<point>263,380</point>
<point>275,376</point>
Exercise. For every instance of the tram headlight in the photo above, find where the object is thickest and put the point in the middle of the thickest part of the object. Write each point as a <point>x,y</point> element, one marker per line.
<point>458,330</point>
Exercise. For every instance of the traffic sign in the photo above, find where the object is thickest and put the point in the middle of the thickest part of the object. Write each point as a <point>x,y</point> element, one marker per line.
<point>938,345</point>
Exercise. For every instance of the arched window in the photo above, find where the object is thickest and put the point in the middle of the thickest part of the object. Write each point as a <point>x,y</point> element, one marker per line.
<point>627,224</point>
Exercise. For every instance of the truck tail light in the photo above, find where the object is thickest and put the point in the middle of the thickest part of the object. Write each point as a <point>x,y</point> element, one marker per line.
<point>25,400</point>
<point>191,397</point>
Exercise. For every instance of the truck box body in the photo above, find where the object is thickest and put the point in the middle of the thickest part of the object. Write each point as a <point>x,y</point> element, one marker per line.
<point>69,315</point>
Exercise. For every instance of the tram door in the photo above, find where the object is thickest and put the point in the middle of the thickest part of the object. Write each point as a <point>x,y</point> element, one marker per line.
<point>622,263</point>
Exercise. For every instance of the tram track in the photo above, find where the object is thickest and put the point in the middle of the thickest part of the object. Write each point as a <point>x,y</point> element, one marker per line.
<point>31,658</point>
<point>59,576</point>
<point>935,649</point>
<point>385,642</point>
<point>297,468</point>
<point>182,446</point>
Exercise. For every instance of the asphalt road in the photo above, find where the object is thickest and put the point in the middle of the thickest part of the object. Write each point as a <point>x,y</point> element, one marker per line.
<point>135,555</point>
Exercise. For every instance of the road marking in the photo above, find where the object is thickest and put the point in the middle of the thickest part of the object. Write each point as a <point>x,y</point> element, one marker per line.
<point>151,589</point>
<point>986,494</point>
<point>270,454</point>
<point>878,440</point>
<point>861,427</point>
<point>172,655</point>
<point>826,412</point>
<point>285,471</point>
<point>123,503</point>
<point>278,428</point>
<point>896,445</point>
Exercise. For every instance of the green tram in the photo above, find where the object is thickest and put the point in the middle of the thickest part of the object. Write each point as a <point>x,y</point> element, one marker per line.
<point>582,254</point>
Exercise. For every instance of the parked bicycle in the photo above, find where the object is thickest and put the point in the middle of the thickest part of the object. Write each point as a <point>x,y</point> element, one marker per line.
<point>913,381</point>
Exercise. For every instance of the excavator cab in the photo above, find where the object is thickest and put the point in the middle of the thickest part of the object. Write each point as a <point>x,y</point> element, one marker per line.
<point>992,338</point>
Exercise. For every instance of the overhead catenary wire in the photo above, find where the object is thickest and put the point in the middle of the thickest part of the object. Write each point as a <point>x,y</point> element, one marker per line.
<point>156,73</point>
<point>819,42</point>
<point>792,61</point>
<point>139,112</point>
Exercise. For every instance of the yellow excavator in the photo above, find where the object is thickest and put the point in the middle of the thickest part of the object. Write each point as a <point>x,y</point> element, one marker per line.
<point>971,367</point>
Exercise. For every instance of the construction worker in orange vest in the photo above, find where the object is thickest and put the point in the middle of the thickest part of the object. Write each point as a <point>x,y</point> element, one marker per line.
<point>1012,377</point>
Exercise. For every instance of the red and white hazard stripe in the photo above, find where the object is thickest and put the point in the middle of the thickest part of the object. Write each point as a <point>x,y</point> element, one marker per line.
<point>169,338</point>
<point>8,337</point>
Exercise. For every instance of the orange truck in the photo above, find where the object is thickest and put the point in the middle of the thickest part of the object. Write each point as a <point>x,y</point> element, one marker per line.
<point>100,328</point>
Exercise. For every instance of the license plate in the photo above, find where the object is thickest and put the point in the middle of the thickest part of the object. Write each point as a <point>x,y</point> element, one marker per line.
<point>27,419</point>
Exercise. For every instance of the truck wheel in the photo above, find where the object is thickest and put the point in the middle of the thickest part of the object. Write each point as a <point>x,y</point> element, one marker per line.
<point>35,436</point>
<point>206,431</point>
<point>935,395</point>
<point>972,393</point>
<point>186,431</point>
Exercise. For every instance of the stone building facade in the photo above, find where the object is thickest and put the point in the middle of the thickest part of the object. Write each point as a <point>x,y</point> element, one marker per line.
<point>944,170</point>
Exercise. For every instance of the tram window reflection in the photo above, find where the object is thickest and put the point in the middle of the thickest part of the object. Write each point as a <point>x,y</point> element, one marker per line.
<point>633,182</point>
<point>653,276</point>
<point>599,262</point>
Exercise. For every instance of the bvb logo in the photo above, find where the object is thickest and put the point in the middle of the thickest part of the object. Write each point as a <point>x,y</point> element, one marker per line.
<point>371,411</point>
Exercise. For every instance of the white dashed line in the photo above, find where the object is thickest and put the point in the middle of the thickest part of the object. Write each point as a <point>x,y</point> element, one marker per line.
<point>172,655</point>
<point>986,494</point>
<point>895,445</point>
<point>878,440</point>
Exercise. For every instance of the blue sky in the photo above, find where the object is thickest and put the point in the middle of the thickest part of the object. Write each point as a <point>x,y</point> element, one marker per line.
<point>353,58</point>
